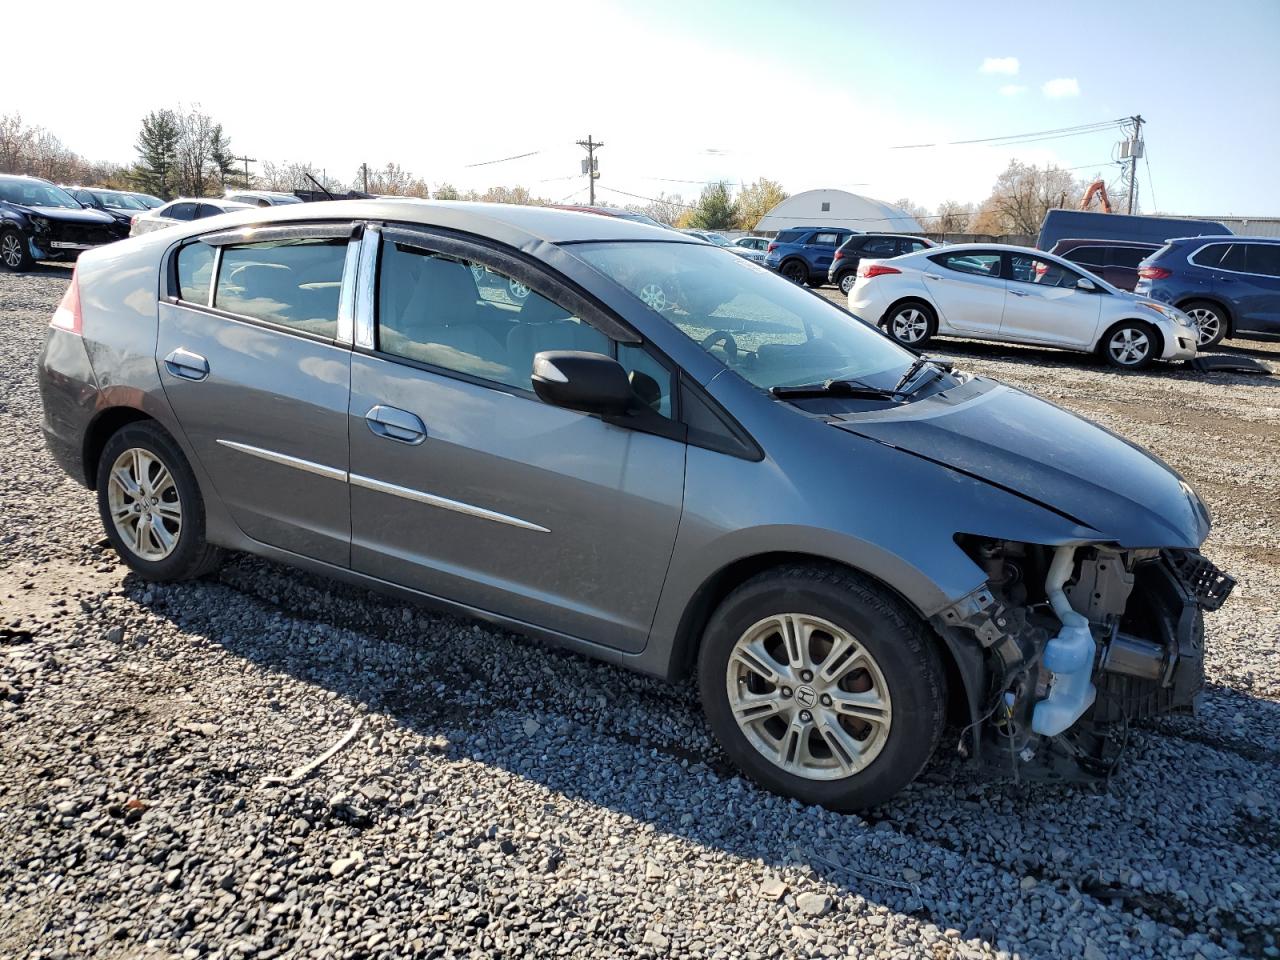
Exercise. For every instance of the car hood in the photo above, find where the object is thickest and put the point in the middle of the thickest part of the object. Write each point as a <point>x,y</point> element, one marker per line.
<point>70,215</point>
<point>1045,454</point>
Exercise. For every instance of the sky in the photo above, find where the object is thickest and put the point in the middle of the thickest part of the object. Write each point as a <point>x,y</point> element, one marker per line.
<point>813,94</point>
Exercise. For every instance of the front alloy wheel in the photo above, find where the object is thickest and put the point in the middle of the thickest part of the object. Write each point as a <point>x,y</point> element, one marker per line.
<point>821,685</point>
<point>1130,346</point>
<point>809,697</point>
<point>13,251</point>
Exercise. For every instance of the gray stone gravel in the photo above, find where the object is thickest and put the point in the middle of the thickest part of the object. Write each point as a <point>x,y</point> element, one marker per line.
<point>501,798</point>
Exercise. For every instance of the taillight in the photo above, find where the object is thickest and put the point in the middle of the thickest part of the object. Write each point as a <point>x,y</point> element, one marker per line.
<point>67,316</point>
<point>868,270</point>
<point>770,248</point>
<point>839,255</point>
<point>1154,273</point>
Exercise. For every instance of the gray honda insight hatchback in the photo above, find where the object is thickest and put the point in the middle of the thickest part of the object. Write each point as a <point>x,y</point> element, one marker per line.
<point>649,450</point>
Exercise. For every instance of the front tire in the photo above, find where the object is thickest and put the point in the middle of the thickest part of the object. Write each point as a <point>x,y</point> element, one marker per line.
<point>846,282</point>
<point>151,506</point>
<point>1129,345</point>
<point>1210,320</point>
<point>912,324</point>
<point>822,686</point>
<point>15,254</point>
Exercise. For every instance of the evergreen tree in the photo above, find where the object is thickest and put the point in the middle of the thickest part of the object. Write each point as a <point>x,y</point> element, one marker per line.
<point>715,209</point>
<point>156,170</point>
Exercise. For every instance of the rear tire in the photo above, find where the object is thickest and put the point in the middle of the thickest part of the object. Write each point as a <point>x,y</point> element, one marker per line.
<point>911,324</point>
<point>1129,345</point>
<point>15,253</point>
<point>796,271</point>
<point>151,506</point>
<point>856,705</point>
<point>1210,320</point>
<point>846,281</point>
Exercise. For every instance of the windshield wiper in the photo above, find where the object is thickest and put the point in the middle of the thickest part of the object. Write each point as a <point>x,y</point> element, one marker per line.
<point>839,388</point>
<point>918,364</point>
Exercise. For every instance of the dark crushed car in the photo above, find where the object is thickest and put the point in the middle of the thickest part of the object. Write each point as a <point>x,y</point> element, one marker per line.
<point>40,221</point>
<point>848,544</point>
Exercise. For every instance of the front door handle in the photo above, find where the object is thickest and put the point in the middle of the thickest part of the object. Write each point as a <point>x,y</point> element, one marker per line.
<point>1019,293</point>
<point>933,276</point>
<point>190,366</point>
<point>396,424</point>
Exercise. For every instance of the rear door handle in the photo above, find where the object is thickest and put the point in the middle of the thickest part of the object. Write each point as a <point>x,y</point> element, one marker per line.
<point>1019,293</point>
<point>933,276</point>
<point>190,366</point>
<point>396,424</point>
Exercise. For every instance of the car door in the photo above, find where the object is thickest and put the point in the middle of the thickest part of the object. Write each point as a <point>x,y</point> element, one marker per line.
<point>256,365</point>
<point>465,485</point>
<point>1249,277</point>
<point>820,250</point>
<point>1045,305</point>
<point>968,289</point>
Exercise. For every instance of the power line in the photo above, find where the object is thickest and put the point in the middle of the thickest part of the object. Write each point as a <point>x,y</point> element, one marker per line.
<point>1151,183</point>
<point>518,156</point>
<point>1031,136</point>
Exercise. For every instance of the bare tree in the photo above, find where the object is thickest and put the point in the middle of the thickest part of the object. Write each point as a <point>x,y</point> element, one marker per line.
<point>952,216</point>
<point>914,210</point>
<point>665,208</point>
<point>1022,195</point>
<point>15,141</point>
<point>394,180</point>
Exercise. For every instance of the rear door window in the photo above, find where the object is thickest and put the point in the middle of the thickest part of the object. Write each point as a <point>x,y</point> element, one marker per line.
<point>195,272</point>
<point>880,247</point>
<point>1236,258</point>
<point>976,262</point>
<point>1088,256</point>
<point>911,246</point>
<point>293,283</point>
<point>825,239</point>
<point>1210,255</point>
<point>1128,257</point>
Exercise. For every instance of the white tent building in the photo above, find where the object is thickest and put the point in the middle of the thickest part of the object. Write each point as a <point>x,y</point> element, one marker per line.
<point>837,208</point>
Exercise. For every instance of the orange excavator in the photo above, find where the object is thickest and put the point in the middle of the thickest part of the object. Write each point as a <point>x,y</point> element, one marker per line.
<point>1099,188</point>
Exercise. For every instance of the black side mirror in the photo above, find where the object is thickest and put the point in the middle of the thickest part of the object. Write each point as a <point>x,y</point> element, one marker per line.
<point>577,380</point>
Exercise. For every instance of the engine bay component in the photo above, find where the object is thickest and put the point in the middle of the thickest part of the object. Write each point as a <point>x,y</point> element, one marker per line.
<point>1068,656</point>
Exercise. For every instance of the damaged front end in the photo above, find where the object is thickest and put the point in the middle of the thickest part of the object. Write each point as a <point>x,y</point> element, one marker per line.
<point>1073,644</point>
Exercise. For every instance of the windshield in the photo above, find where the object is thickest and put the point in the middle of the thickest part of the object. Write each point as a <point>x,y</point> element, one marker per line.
<point>113,198</point>
<point>765,328</point>
<point>148,201</point>
<point>33,193</point>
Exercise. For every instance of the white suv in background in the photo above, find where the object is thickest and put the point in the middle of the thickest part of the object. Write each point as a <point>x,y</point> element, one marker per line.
<point>1016,295</point>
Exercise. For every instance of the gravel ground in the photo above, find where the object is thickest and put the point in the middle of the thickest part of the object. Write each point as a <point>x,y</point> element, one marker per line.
<point>500,798</point>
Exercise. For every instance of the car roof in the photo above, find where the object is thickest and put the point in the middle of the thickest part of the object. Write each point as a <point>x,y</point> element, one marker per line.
<point>1224,238</point>
<point>1097,242</point>
<point>24,176</point>
<point>509,222</point>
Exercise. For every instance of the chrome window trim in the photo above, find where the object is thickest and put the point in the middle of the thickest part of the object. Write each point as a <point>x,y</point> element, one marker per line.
<point>213,277</point>
<point>430,499</point>
<point>330,230</point>
<point>366,287</point>
<point>284,459</point>
<point>1238,273</point>
<point>347,295</point>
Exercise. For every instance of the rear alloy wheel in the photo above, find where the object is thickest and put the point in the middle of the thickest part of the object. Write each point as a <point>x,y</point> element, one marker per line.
<point>1211,325</point>
<point>847,280</point>
<point>151,505</point>
<point>796,271</point>
<point>1130,346</point>
<point>821,687</point>
<point>911,324</point>
<point>14,253</point>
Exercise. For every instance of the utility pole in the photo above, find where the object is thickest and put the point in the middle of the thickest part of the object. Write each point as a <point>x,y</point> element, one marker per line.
<point>364,173</point>
<point>1135,151</point>
<point>247,161</point>
<point>591,166</point>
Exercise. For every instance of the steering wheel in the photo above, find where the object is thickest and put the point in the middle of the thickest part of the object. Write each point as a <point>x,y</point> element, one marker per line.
<point>725,338</point>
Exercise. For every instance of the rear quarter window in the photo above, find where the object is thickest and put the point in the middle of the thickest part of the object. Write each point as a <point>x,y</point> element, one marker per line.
<point>789,236</point>
<point>195,272</point>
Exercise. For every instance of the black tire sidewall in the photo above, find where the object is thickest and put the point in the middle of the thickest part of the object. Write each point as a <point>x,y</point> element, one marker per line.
<point>795,271</point>
<point>191,553</point>
<point>906,658</point>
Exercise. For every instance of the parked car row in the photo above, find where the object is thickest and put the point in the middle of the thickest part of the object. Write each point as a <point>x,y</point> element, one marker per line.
<point>183,210</point>
<point>41,221</point>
